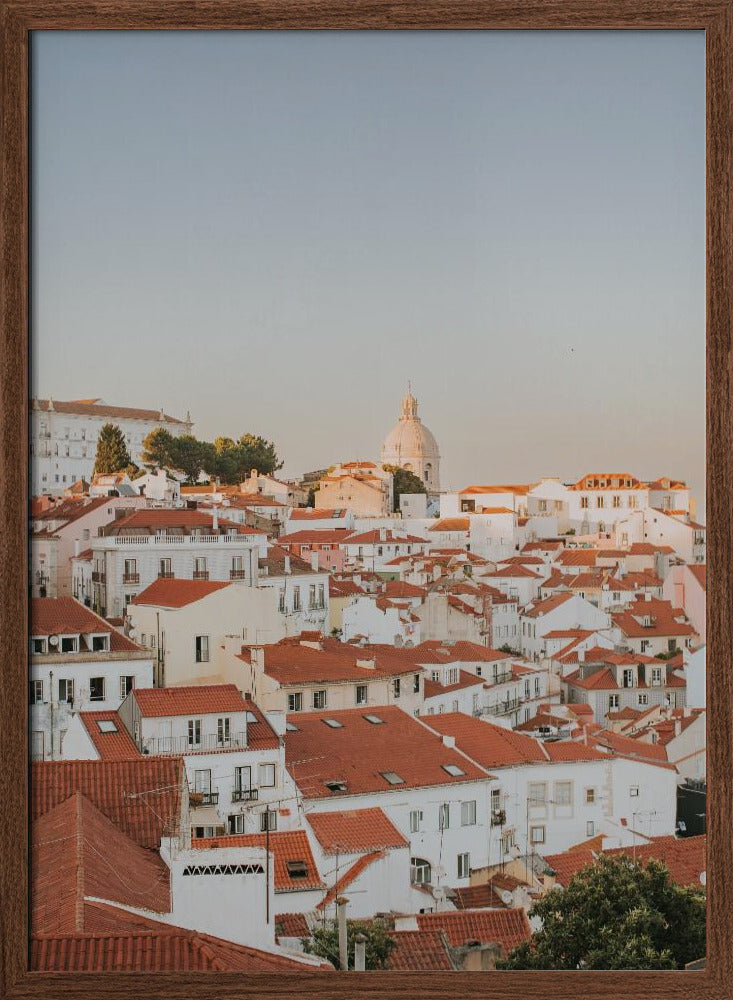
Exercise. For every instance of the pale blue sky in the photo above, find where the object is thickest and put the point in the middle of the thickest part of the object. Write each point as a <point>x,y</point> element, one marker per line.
<point>276,230</point>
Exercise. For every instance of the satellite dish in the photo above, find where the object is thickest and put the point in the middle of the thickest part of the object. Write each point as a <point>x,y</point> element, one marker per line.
<point>506,897</point>
<point>53,640</point>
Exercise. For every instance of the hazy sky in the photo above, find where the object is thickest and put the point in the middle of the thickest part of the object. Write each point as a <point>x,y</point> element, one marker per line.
<point>276,230</point>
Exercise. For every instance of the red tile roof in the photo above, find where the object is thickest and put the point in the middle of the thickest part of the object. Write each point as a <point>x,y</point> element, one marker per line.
<point>568,863</point>
<point>206,699</point>
<point>70,510</point>
<point>699,571</point>
<point>349,876</point>
<point>314,536</point>
<point>578,557</point>
<point>374,537</point>
<point>286,846</point>
<point>118,745</point>
<point>95,408</point>
<point>663,617</point>
<point>292,663</point>
<point>178,593</point>
<point>440,651</point>
<point>344,588</point>
<point>685,857</point>
<point>308,514</point>
<point>151,520</point>
<point>420,951</point>
<point>567,750</point>
<point>359,753</point>
<point>142,797</point>
<point>291,925</point>
<point>507,928</point>
<point>466,680</point>
<point>79,852</point>
<point>355,831</point>
<point>540,608</point>
<point>504,488</point>
<point>66,616</point>
<point>489,745</point>
<point>451,524</point>
<point>625,746</point>
<point>397,588</point>
<point>647,549</point>
<point>514,572</point>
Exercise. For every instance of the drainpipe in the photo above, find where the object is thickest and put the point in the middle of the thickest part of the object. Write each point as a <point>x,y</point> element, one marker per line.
<point>343,940</point>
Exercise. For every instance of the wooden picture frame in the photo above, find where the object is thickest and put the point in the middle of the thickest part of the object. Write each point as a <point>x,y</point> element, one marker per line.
<point>19,18</point>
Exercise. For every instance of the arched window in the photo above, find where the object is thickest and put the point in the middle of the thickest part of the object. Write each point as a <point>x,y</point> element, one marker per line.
<point>420,872</point>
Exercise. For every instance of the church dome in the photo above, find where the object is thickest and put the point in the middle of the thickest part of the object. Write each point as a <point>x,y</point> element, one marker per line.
<point>412,446</point>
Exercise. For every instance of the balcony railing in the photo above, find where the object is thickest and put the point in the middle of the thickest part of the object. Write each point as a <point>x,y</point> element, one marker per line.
<point>156,540</point>
<point>167,574</point>
<point>131,578</point>
<point>179,745</point>
<point>244,795</point>
<point>201,574</point>
<point>237,574</point>
<point>503,707</point>
<point>203,799</point>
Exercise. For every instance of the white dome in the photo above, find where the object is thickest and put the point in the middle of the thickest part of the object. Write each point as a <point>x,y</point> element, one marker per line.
<point>412,446</point>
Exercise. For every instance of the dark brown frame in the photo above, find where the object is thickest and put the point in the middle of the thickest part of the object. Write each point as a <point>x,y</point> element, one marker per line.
<point>19,17</point>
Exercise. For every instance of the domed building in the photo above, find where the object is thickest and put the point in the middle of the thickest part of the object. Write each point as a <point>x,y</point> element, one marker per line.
<point>411,446</point>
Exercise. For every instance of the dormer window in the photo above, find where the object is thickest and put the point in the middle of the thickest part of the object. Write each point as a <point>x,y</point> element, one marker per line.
<point>100,643</point>
<point>297,869</point>
<point>69,644</point>
<point>39,645</point>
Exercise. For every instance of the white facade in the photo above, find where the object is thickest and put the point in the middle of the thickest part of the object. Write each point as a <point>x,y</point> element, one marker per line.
<point>390,625</point>
<point>574,613</point>
<point>64,438</point>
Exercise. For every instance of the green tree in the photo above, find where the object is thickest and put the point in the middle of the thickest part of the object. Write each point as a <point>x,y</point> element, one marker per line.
<point>257,453</point>
<point>159,449</point>
<point>189,457</point>
<point>112,454</point>
<point>379,945</point>
<point>404,481</point>
<point>616,914</point>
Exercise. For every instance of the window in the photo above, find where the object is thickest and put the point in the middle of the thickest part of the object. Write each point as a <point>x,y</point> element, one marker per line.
<point>374,720</point>
<point>333,723</point>
<point>634,791</point>
<point>396,687</point>
<point>584,502</point>
<point>464,865</point>
<point>312,596</point>
<point>468,813</point>
<point>507,841</point>
<point>266,775</point>
<point>563,793</point>
<point>454,705</point>
<point>416,683</point>
<point>202,649</point>
<point>600,501</point>
<point>444,816</point>
<point>537,834</point>
<point>36,692</point>
<point>643,698</point>
<point>242,779</point>
<point>166,568</point>
<point>268,821</point>
<point>420,872</point>
<point>590,796</point>
<point>295,701</point>
<point>629,677</point>
<point>453,770</point>
<point>96,689</point>
<point>296,598</point>
<point>127,683</point>
<point>321,595</point>
<point>452,675</point>
<point>69,644</point>
<point>644,645</point>
<point>537,794</point>
<point>617,501</point>
<point>281,602</point>
<point>223,730</point>
<point>391,778</point>
<point>38,645</point>
<point>199,568</point>
<point>297,869</point>
<point>361,694</point>
<point>319,699</point>
<point>194,732</point>
<point>590,828</point>
<point>416,816</point>
<point>202,782</point>
<point>235,824</point>
<point>612,701</point>
<point>656,675</point>
<point>130,571</point>
<point>66,690</point>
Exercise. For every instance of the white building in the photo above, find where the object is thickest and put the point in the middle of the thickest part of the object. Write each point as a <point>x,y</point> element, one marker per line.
<point>380,620</point>
<point>563,611</point>
<point>301,589</point>
<point>411,446</point>
<point>64,437</point>
<point>77,662</point>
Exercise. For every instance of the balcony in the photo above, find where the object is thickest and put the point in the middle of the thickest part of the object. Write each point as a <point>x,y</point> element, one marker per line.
<point>166,575</point>
<point>201,574</point>
<point>178,540</point>
<point>244,795</point>
<point>98,577</point>
<point>203,799</point>
<point>179,745</point>
<point>237,574</point>
<point>509,705</point>
<point>130,578</point>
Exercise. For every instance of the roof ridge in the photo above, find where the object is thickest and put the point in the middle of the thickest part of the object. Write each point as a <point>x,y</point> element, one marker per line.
<point>79,836</point>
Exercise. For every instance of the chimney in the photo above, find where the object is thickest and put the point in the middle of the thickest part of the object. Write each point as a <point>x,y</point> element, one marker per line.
<point>215,520</point>
<point>77,546</point>
<point>581,655</point>
<point>287,565</point>
<point>314,561</point>
<point>257,657</point>
<point>343,941</point>
<point>382,534</point>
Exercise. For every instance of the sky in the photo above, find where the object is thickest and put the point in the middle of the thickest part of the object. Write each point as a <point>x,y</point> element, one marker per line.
<point>277,230</point>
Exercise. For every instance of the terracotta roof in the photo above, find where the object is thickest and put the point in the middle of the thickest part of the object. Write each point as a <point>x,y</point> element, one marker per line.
<point>313,536</point>
<point>466,680</point>
<point>478,897</point>
<point>544,545</point>
<point>568,750</point>
<point>93,408</point>
<point>153,520</point>
<point>144,945</point>
<point>343,588</point>
<point>66,616</point>
<point>507,928</point>
<point>699,571</point>
<point>685,857</point>
<point>291,663</point>
<point>577,557</point>
<point>523,561</point>
<point>612,481</point>
<point>489,745</point>
<point>70,510</point>
<point>544,607</point>
<point>205,699</point>
<point>420,951</point>
<point>308,514</point>
<point>512,488</point>
<point>647,549</point>
<point>359,753</point>
<point>280,561</point>
<point>349,876</point>
<point>600,680</point>
<point>451,524</point>
<point>177,593</point>
<point>566,865</point>
<point>355,831</point>
<point>286,847</point>
<point>663,617</point>
<point>116,745</point>
<point>625,746</point>
<point>292,925</point>
<point>374,537</point>
<point>515,571</point>
<point>397,588</point>
<point>79,852</point>
<point>462,651</point>
<point>142,797</point>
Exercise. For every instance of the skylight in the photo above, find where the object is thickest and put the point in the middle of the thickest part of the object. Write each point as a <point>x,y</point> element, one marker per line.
<point>335,786</point>
<point>107,726</point>
<point>453,770</point>
<point>392,778</point>
<point>290,727</point>
<point>333,723</point>
<point>251,717</point>
<point>374,719</point>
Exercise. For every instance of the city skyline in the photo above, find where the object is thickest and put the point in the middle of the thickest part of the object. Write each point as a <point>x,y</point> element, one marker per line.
<point>293,227</point>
